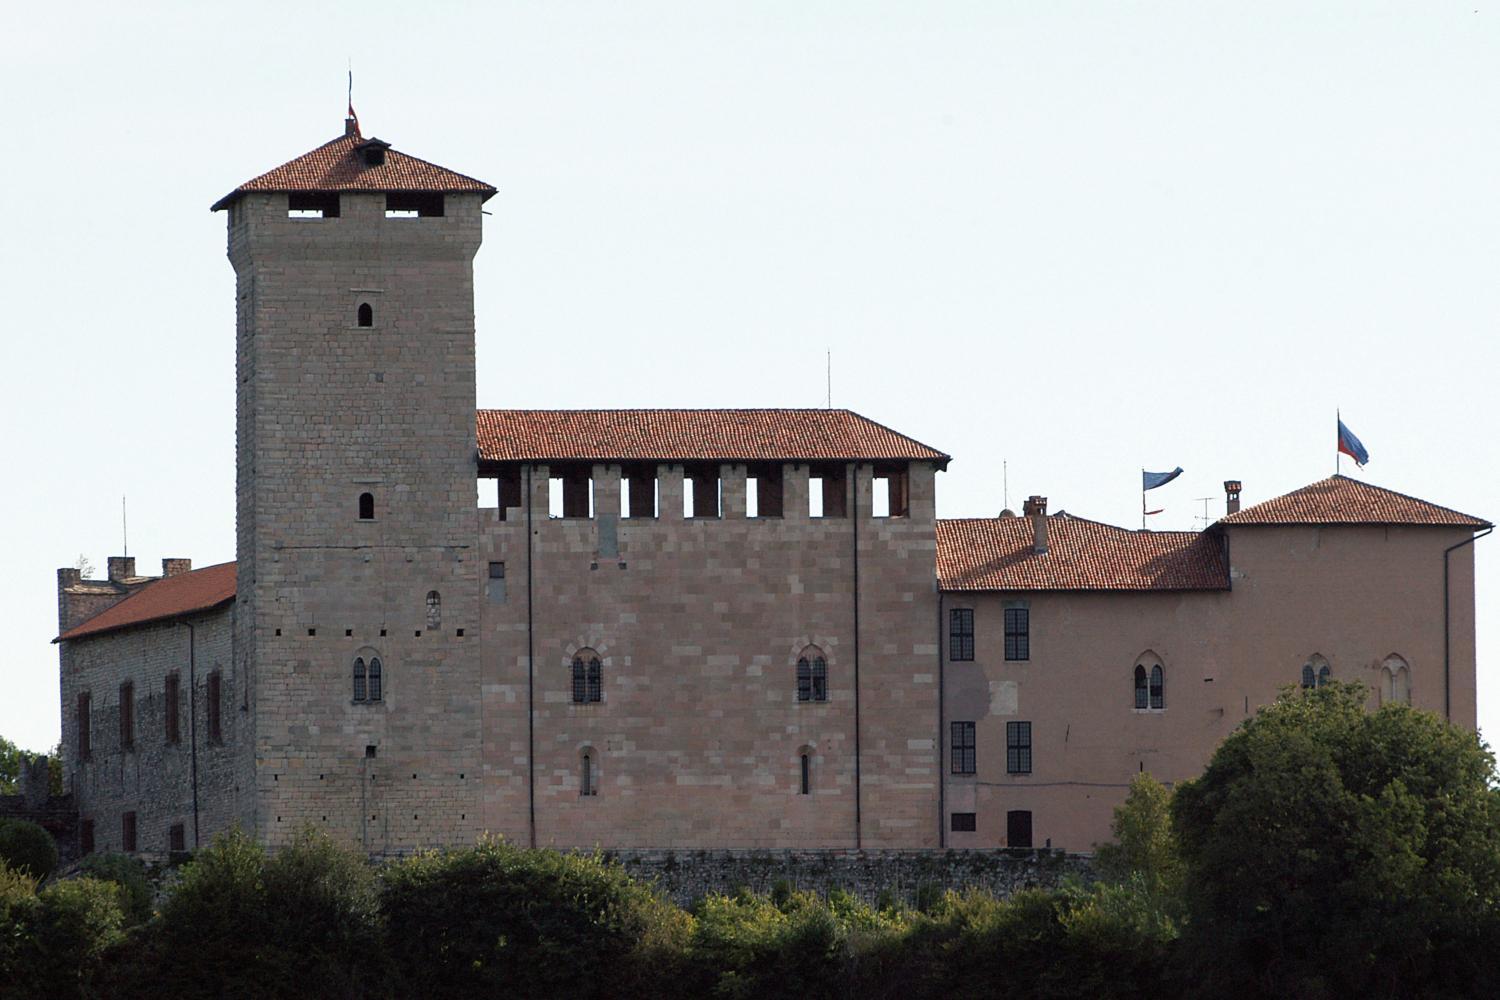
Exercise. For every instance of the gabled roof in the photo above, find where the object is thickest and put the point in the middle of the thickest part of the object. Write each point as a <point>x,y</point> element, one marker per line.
<point>1341,500</point>
<point>169,597</point>
<point>983,554</point>
<point>337,166</point>
<point>692,435</point>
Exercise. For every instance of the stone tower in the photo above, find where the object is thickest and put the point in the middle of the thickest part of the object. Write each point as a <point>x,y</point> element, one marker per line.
<point>356,531</point>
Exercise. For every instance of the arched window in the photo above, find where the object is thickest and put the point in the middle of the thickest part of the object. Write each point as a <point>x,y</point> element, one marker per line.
<point>1315,672</point>
<point>366,314</point>
<point>434,609</point>
<point>1395,681</point>
<point>367,506</point>
<point>1157,686</point>
<point>587,780</point>
<point>588,677</point>
<point>812,675</point>
<point>1140,687</point>
<point>359,678</point>
<point>1149,687</point>
<point>805,762</point>
<point>374,678</point>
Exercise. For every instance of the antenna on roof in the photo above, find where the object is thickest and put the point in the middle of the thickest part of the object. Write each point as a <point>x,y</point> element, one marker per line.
<point>830,379</point>
<point>351,123</point>
<point>124,528</point>
<point>1204,501</point>
<point>1005,480</point>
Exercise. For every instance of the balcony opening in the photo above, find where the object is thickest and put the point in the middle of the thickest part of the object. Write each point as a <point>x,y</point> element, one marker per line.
<point>764,494</point>
<point>701,492</point>
<point>639,494</point>
<point>828,491</point>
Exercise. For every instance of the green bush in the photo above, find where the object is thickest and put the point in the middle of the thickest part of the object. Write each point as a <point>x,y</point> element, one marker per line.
<point>495,920</point>
<point>27,847</point>
<point>130,875</point>
<point>51,942</point>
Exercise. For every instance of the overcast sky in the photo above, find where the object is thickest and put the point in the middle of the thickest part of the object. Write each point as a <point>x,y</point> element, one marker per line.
<point>1077,239</point>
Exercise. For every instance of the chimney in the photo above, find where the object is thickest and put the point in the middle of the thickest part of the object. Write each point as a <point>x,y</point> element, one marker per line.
<point>121,568</point>
<point>67,576</point>
<point>1036,509</point>
<point>176,567</point>
<point>1231,496</point>
<point>351,126</point>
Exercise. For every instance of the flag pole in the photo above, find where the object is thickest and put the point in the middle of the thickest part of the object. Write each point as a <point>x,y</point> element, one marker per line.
<point>1338,466</point>
<point>1143,499</point>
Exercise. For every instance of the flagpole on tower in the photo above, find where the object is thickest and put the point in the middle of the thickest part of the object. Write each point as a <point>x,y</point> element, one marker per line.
<point>1338,464</point>
<point>1143,498</point>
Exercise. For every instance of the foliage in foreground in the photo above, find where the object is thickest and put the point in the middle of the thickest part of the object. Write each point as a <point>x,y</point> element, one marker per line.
<point>27,848</point>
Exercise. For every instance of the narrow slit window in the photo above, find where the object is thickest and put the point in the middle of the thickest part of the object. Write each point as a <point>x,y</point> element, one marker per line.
<point>127,832</point>
<point>586,780</point>
<point>85,702</point>
<point>806,763</point>
<point>365,315</point>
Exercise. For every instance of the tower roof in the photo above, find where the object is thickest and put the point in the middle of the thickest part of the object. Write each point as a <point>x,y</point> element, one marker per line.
<point>343,165</point>
<point>1341,500</point>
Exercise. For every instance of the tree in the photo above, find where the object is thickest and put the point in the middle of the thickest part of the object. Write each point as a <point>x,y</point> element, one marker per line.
<point>1144,846</point>
<point>10,767</point>
<point>1333,852</point>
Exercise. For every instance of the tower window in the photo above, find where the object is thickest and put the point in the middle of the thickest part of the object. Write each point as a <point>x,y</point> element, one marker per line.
<point>367,506</point>
<point>374,678</point>
<point>588,677</point>
<point>312,205</point>
<point>806,763</point>
<point>366,314</point>
<point>127,832</point>
<point>360,679</point>
<point>587,785</point>
<point>434,609</point>
<point>812,675</point>
<point>413,205</point>
<point>1316,672</point>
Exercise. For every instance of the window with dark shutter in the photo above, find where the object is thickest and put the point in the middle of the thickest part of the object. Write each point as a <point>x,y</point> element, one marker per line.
<point>961,751</point>
<point>1018,748</point>
<point>1018,633</point>
<point>961,634</point>
<point>176,838</point>
<point>127,833</point>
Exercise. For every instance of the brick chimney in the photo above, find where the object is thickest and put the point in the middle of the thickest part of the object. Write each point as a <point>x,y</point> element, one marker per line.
<point>1036,509</point>
<point>176,567</point>
<point>121,568</point>
<point>1231,496</point>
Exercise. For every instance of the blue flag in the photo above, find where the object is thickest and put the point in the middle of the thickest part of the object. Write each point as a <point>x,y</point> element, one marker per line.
<point>1151,480</point>
<point>1351,446</point>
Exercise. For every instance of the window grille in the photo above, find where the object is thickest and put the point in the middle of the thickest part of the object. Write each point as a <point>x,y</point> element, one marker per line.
<point>374,678</point>
<point>961,634</point>
<point>588,678</point>
<point>596,680</point>
<point>359,678</point>
<point>819,679</point>
<point>1018,748</point>
<point>1156,687</point>
<point>961,751</point>
<point>1018,633</point>
<point>1140,687</point>
<point>804,680</point>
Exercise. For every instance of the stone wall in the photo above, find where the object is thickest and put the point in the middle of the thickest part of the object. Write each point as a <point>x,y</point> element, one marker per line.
<point>685,876</point>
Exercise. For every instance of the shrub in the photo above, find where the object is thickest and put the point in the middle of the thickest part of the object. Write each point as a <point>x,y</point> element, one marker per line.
<point>495,920</point>
<point>130,875</point>
<point>27,847</point>
<point>51,942</point>
<point>747,946</point>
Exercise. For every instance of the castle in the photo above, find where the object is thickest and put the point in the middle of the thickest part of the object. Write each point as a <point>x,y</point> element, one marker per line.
<point>669,628</point>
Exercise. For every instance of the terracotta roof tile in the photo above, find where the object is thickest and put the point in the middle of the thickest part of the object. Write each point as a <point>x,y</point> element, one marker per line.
<point>996,554</point>
<point>1341,500</point>
<point>335,166</point>
<point>198,590</point>
<point>692,435</point>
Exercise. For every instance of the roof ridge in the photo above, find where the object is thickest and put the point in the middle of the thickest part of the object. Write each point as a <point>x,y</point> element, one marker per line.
<point>1281,509</point>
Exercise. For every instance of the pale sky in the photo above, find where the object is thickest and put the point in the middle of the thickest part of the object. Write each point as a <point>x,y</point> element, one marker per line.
<point>1077,238</point>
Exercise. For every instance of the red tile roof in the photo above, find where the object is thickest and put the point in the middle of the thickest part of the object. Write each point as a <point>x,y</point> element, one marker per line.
<point>996,554</point>
<point>198,590</point>
<point>692,435</point>
<point>1341,500</point>
<point>335,166</point>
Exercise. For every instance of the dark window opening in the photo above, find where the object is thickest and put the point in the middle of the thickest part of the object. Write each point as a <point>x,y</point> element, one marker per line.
<point>638,491</point>
<point>367,506</point>
<point>434,609</point>
<point>508,489</point>
<point>961,752</point>
<point>365,315</point>
<point>892,491</point>
<point>1140,686</point>
<point>127,833</point>
<point>765,493</point>
<point>1018,828</point>
<point>812,676</point>
<point>127,716</point>
<point>960,634</point>
<point>963,822</point>
<point>1324,673</point>
<point>215,715</point>
<point>806,774</point>
<point>84,744</point>
<point>374,678</point>
<point>588,677</point>
<point>86,837</point>
<point>1018,748</point>
<point>171,698</point>
<point>828,491</point>
<point>1157,686</point>
<point>312,205</point>
<point>1308,677</point>
<point>586,782</point>
<point>359,678</point>
<point>1018,633</point>
<point>414,205</point>
<point>176,838</point>
<point>570,492</point>
<point>497,571</point>
<point>700,494</point>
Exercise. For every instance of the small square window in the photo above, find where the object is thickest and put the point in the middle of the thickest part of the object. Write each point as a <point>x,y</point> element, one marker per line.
<point>963,822</point>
